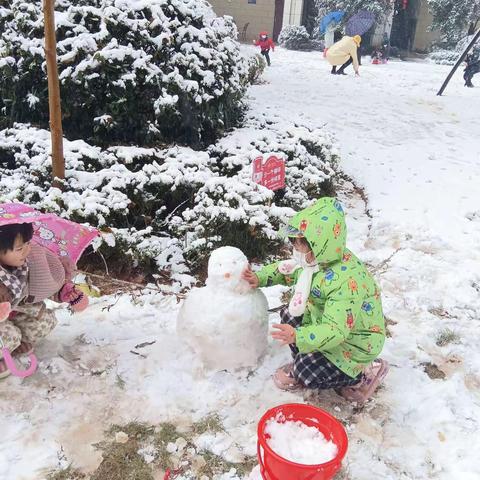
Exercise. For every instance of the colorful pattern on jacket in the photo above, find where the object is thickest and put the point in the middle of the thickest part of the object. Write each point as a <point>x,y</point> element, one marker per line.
<point>344,317</point>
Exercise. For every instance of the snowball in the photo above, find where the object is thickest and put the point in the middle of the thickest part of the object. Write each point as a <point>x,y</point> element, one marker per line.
<point>225,322</point>
<point>299,443</point>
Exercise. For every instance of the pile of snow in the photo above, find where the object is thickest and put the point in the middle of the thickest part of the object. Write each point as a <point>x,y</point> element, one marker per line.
<point>299,443</point>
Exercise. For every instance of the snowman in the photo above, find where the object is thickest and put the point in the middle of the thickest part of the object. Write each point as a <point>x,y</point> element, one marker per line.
<point>225,322</point>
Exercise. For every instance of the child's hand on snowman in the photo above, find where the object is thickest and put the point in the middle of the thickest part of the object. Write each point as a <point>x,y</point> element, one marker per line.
<point>250,277</point>
<point>77,300</point>
<point>5,309</point>
<point>285,335</point>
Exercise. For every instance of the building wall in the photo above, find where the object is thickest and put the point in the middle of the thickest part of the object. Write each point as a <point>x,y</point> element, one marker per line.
<point>260,15</point>
<point>423,36</point>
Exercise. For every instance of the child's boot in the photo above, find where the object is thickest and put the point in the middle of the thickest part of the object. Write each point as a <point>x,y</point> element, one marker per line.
<point>284,379</point>
<point>373,376</point>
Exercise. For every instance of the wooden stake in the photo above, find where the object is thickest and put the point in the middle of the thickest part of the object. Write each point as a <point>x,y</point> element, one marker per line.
<point>460,60</point>
<point>56,130</point>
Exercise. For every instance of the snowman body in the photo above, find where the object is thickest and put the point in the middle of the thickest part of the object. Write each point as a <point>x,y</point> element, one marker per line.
<point>225,322</point>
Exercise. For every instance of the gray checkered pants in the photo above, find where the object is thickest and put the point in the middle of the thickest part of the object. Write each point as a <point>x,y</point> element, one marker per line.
<point>314,370</point>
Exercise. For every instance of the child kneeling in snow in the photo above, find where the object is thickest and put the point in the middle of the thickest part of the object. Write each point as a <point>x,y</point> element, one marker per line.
<point>334,323</point>
<point>29,274</point>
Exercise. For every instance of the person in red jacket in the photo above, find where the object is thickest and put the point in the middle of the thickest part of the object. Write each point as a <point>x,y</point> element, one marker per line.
<point>265,45</point>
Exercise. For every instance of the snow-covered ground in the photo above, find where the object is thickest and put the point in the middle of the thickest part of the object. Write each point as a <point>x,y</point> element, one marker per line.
<point>417,156</point>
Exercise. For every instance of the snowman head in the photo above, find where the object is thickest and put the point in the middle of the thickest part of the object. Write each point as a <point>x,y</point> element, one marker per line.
<point>225,269</point>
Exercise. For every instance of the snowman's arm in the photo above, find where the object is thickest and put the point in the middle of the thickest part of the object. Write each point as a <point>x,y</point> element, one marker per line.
<point>269,275</point>
<point>341,309</point>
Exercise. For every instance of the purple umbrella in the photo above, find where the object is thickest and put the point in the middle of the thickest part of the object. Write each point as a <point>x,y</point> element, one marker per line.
<point>360,23</point>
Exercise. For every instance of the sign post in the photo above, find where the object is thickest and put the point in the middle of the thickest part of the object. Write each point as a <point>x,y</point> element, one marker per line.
<point>269,174</point>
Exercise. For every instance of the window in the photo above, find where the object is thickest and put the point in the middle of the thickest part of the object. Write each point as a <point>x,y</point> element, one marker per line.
<point>254,2</point>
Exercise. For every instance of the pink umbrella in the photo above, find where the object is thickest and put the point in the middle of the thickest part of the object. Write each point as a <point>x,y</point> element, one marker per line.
<point>60,236</point>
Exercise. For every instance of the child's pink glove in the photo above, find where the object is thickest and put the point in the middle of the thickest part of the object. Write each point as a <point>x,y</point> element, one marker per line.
<point>77,299</point>
<point>5,310</point>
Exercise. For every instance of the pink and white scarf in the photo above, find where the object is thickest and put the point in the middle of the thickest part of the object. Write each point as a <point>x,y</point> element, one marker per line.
<point>299,300</point>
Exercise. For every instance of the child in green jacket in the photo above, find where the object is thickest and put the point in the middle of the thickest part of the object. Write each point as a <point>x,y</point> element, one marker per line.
<point>334,323</point>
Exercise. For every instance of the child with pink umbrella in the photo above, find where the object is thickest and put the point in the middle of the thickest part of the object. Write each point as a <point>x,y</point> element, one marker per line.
<point>38,254</point>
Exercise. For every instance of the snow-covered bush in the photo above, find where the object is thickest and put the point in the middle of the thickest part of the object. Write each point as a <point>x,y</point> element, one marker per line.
<point>297,38</point>
<point>444,57</point>
<point>256,67</point>
<point>455,18</point>
<point>293,36</point>
<point>449,57</point>
<point>131,71</point>
<point>169,207</point>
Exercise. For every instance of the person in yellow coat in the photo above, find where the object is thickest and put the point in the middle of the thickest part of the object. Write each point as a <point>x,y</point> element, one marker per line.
<point>344,53</point>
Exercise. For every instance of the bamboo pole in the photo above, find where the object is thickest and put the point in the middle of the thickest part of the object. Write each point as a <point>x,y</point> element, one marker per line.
<point>460,60</point>
<point>56,130</point>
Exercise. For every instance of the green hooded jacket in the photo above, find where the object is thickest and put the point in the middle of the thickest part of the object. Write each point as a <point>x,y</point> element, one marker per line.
<point>344,318</point>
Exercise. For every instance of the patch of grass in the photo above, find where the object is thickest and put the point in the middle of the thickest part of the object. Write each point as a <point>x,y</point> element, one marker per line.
<point>165,433</point>
<point>388,323</point>
<point>134,430</point>
<point>68,473</point>
<point>122,460</point>
<point>440,312</point>
<point>247,465</point>
<point>447,336</point>
<point>433,371</point>
<point>217,465</point>
<point>120,382</point>
<point>211,423</point>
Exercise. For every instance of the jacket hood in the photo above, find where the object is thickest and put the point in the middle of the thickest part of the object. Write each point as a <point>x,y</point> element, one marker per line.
<point>323,225</point>
<point>263,34</point>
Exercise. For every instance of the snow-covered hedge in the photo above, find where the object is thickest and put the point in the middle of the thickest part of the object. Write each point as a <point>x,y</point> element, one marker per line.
<point>449,57</point>
<point>169,207</point>
<point>135,72</point>
<point>294,37</point>
<point>444,57</point>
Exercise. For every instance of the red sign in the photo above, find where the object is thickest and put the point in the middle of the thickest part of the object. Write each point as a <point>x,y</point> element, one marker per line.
<point>270,174</point>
